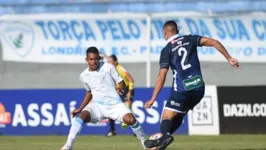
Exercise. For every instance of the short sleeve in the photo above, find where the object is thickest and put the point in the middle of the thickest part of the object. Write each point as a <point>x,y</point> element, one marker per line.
<point>115,75</point>
<point>84,84</point>
<point>165,58</point>
<point>196,40</point>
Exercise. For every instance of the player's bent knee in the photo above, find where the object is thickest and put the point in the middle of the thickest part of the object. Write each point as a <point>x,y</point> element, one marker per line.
<point>169,115</point>
<point>85,116</point>
<point>129,119</point>
<point>165,117</point>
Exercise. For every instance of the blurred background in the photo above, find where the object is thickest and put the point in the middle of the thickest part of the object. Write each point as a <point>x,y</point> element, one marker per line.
<point>42,51</point>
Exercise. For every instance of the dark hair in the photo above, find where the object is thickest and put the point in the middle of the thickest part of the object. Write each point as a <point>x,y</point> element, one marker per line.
<point>113,57</point>
<point>92,50</point>
<point>172,24</point>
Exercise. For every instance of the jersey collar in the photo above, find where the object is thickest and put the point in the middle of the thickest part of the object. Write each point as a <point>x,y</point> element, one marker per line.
<point>171,38</point>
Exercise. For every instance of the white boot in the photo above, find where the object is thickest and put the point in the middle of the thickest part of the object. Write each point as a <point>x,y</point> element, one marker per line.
<point>142,143</point>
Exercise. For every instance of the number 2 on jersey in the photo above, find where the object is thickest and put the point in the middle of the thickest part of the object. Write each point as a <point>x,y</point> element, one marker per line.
<point>180,50</point>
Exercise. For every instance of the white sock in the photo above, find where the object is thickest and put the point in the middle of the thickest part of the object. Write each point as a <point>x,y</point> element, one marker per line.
<point>74,130</point>
<point>138,130</point>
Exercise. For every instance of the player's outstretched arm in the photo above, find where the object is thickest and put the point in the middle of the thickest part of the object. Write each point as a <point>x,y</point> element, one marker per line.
<point>212,42</point>
<point>85,102</point>
<point>159,83</point>
<point>158,86</point>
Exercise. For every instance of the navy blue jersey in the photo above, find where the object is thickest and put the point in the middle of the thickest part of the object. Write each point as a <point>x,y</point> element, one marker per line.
<point>180,54</point>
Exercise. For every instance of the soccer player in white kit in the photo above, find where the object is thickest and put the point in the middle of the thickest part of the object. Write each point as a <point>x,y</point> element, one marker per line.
<point>101,100</point>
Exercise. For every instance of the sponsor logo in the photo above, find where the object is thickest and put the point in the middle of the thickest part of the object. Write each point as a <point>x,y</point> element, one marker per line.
<point>18,36</point>
<point>47,114</point>
<point>192,83</point>
<point>174,103</point>
<point>202,113</point>
<point>5,117</point>
<point>244,110</point>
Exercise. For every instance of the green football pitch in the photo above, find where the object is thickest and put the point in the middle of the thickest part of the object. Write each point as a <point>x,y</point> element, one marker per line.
<point>232,142</point>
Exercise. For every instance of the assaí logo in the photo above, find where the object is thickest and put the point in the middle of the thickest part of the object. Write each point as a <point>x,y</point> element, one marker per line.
<point>58,114</point>
<point>5,117</point>
<point>18,36</point>
<point>46,114</point>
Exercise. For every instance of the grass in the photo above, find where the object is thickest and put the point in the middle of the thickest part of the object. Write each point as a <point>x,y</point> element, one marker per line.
<point>222,142</point>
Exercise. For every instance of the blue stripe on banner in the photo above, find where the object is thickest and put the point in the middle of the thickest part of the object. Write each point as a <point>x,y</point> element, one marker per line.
<point>47,112</point>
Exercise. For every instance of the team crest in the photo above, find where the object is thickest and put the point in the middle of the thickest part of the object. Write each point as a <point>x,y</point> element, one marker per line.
<point>18,36</point>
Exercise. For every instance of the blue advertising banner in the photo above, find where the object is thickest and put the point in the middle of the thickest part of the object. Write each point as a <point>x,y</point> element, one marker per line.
<point>64,38</point>
<point>47,112</point>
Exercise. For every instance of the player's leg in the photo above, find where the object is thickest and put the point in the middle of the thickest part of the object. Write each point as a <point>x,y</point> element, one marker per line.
<point>112,128</point>
<point>172,110</point>
<point>176,123</point>
<point>136,127</point>
<point>167,128</point>
<point>166,125</point>
<point>75,129</point>
<point>167,118</point>
<point>89,114</point>
<point>195,98</point>
<point>122,113</point>
<point>180,106</point>
<point>112,122</point>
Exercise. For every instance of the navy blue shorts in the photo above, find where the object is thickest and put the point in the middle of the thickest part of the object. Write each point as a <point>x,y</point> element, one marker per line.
<point>183,102</point>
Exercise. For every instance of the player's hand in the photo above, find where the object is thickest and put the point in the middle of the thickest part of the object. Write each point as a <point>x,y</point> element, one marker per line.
<point>75,112</point>
<point>149,103</point>
<point>233,62</point>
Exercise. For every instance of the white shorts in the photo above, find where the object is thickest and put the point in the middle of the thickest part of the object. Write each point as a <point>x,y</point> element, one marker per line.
<point>99,112</point>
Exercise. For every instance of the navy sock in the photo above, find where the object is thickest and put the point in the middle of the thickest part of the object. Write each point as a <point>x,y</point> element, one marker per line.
<point>176,123</point>
<point>166,126</point>
<point>112,125</point>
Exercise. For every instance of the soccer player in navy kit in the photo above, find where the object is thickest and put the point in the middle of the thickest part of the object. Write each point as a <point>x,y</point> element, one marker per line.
<point>188,87</point>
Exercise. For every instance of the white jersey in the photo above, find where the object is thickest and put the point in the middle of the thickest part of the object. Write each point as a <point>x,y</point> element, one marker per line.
<point>101,83</point>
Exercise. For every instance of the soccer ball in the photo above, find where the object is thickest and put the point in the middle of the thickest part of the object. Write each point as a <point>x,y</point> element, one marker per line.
<point>155,137</point>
